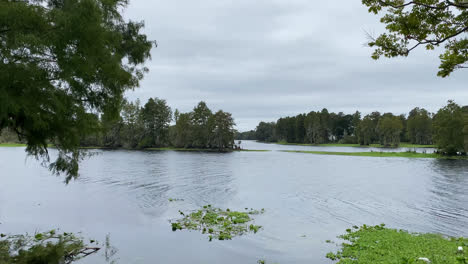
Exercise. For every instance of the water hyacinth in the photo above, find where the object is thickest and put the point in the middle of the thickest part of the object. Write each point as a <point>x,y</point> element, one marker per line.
<point>217,223</point>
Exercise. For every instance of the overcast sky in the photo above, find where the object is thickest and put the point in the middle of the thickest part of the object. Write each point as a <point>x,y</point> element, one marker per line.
<point>261,60</point>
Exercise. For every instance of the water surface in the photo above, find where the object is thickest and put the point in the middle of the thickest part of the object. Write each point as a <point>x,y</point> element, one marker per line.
<point>125,194</point>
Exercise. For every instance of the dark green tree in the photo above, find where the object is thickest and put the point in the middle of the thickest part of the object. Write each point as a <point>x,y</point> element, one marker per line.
<point>156,116</point>
<point>61,61</point>
<point>389,129</point>
<point>427,23</point>
<point>419,126</point>
<point>133,129</point>
<point>265,132</point>
<point>222,133</point>
<point>200,119</point>
<point>366,130</point>
<point>448,127</point>
<point>183,131</point>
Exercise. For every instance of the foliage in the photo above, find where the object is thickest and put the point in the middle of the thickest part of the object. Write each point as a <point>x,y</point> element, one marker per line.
<point>217,223</point>
<point>265,132</point>
<point>148,127</point>
<point>222,133</point>
<point>428,23</point>
<point>420,126</point>
<point>448,129</point>
<point>377,244</point>
<point>247,135</point>
<point>389,128</point>
<point>47,248</point>
<point>156,116</point>
<point>60,63</point>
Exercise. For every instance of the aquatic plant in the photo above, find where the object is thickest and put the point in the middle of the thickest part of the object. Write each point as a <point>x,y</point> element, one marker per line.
<point>47,247</point>
<point>175,200</point>
<point>377,244</point>
<point>219,224</point>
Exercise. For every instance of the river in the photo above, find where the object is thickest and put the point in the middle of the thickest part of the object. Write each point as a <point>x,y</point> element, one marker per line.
<point>308,199</point>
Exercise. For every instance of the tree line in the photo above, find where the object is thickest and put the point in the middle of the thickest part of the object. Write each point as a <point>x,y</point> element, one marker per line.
<point>154,125</point>
<point>447,128</point>
<point>149,126</point>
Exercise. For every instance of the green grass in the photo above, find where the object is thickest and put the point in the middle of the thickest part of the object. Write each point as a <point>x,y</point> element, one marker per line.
<point>402,145</point>
<point>380,154</point>
<point>380,245</point>
<point>12,145</point>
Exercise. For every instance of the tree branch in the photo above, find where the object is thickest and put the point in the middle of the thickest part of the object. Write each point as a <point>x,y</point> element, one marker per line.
<point>448,4</point>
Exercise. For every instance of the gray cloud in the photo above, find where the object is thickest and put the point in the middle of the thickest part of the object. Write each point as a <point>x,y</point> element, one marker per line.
<point>261,60</point>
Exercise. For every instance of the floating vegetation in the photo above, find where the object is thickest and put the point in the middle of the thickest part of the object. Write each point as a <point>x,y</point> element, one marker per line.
<point>175,200</point>
<point>218,224</point>
<point>377,244</point>
<point>47,247</point>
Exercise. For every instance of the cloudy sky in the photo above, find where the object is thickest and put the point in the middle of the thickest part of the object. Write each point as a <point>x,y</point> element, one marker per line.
<point>261,60</point>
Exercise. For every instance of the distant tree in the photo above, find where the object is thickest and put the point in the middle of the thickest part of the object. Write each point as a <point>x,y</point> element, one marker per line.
<point>133,127</point>
<point>428,23</point>
<point>448,127</point>
<point>465,127</point>
<point>247,135</point>
<point>201,130</point>
<point>60,63</point>
<point>419,126</point>
<point>315,132</point>
<point>389,129</point>
<point>222,133</point>
<point>366,130</point>
<point>355,122</point>
<point>183,136</point>
<point>265,132</point>
<point>299,129</point>
<point>156,116</point>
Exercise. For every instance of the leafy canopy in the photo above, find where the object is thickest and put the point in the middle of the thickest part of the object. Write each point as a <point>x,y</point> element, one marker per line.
<point>62,62</point>
<point>428,23</point>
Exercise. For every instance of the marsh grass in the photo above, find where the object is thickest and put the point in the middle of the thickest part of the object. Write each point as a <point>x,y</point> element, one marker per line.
<point>407,154</point>
<point>217,223</point>
<point>380,245</point>
<point>402,145</point>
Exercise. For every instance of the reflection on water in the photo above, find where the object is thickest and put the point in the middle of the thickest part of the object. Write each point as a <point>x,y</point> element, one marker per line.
<point>126,193</point>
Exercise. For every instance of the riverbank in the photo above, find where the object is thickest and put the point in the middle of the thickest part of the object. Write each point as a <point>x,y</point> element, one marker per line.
<point>11,145</point>
<point>402,145</point>
<point>380,154</point>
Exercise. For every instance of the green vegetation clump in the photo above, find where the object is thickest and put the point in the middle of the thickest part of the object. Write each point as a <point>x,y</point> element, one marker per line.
<point>407,154</point>
<point>11,145</point>
<point>48,247</point>
<point>219,224</point>
<point>175,200</point>
<point>380,245</point>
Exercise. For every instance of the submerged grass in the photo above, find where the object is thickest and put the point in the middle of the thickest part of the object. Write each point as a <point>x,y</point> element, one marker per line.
<point>379,245</point>
<point>402,145</point>
<point>11,145</point>
<point>217,223</point>
<point>408,154</point>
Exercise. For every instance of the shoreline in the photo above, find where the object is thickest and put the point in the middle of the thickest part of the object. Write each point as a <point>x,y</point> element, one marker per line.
<point>402,145</point>
<point>15,145</point>
<point>380,154</point>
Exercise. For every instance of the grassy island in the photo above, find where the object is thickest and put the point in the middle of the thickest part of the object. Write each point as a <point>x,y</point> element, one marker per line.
<point>402,145</point>
<point>409,154</point>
